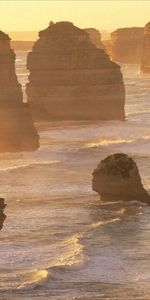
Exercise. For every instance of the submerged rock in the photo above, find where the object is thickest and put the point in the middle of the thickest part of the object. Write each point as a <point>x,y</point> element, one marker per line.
<point>145,65</point>
<point>127,45</point>
<point>72,79</point>
<point>17,132</point>
<point>117,178</point>
<point>2,215</point>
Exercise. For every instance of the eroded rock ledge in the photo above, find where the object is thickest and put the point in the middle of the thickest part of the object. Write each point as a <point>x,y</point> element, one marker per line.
<point>117,178</point>
<point>72,79</point>
<point>17,132</point>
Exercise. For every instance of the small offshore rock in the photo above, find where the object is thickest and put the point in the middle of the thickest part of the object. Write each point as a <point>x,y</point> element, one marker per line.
<point>117,178</point>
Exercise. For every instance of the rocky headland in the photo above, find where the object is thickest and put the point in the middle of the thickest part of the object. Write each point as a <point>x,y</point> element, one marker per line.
<point>145,65</point>
<point>70,78</point>
<point>127,45</point>
<point>17,132</point>
<point>117,178</point>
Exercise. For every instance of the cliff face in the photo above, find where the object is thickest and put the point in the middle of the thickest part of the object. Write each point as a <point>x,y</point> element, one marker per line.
<point>127,45</point>
<point>117,178</point>
<point>145,65</point>
<point>95,37</point>
<point>17,132</point>
<point>72,79</point>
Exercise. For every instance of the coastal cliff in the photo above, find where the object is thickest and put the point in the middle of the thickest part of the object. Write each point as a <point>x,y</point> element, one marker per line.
<point>72,79</point>
<point>17,132</point>
<point>127,45</point>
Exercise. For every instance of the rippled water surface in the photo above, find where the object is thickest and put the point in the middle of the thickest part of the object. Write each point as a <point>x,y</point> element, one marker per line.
<point>59,241</point>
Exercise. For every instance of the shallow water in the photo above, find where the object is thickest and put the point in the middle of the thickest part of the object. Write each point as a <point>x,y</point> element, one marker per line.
<point>59,241</point>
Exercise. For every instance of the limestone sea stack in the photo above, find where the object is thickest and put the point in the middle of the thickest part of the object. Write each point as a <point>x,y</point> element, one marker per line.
<point>95,37</point>
<point>17,132</point>
<point>127,45</point>
<point>145,65</point>
<point>117,178</point>
<point>70,78</point>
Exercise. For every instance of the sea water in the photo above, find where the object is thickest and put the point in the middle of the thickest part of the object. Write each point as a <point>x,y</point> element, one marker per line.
<point>59,241</point>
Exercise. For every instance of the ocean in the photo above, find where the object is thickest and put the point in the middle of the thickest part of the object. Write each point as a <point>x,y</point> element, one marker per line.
<point>58,240</point>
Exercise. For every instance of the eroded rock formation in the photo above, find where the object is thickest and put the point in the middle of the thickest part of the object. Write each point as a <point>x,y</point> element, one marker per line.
<point>17,132</point>
<point>2,215</point>
<point>145,65</point>
<point>117,178</point>
<point>127,45</point>
<point>72,79</point>
<point>95,37</point>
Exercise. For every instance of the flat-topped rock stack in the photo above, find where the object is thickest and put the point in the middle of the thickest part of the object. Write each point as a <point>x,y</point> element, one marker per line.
<point>72,79</point>
<point>145,65</point>
<point>127,45</point>
<point>17,132</point>
<point>117,178</point>
<point>95,37</point>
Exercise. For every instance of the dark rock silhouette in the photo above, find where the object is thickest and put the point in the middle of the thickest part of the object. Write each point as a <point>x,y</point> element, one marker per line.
<point>127,45</point>
<point>17,132</point>
<point>145,65</point>
<point>117,178</point>
<point>72,79</point>
<point>95,37</point>
<point>2,215</point>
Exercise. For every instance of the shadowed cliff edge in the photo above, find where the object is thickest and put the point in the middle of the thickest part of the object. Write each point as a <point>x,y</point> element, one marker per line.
<point>71,79</point>
<point>117,178</point>
<point>17,132</point>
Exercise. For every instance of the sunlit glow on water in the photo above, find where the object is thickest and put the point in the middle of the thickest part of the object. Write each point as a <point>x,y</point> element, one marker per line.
<point>101,223</point>
<point>108,141</point>
<point>58,238</point>
<point>36,276</point>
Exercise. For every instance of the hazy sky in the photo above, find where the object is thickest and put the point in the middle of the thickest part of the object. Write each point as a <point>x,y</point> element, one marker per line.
<point>108,14</point>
